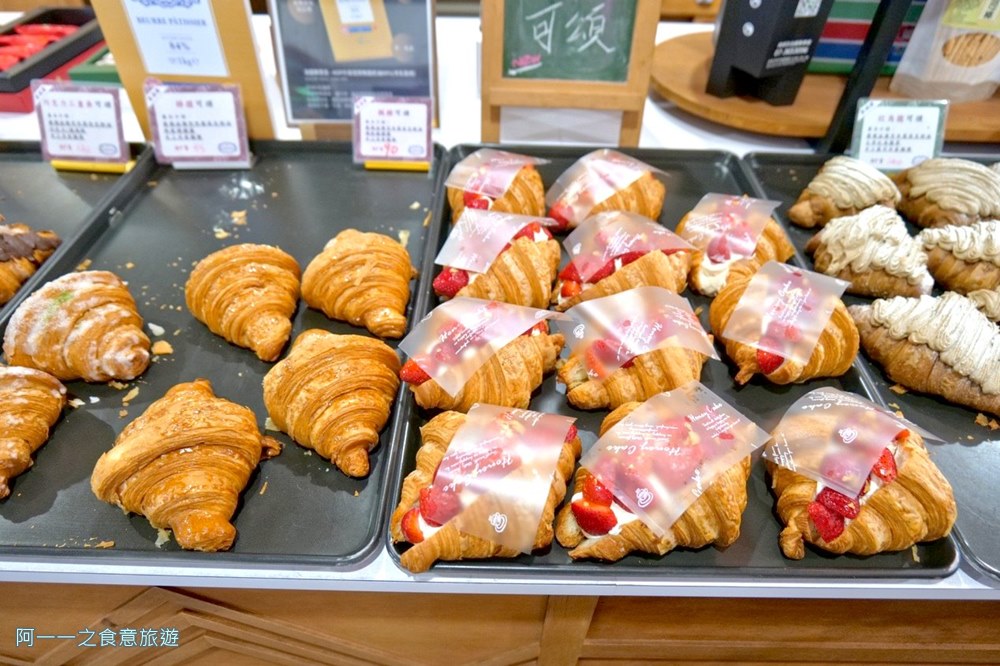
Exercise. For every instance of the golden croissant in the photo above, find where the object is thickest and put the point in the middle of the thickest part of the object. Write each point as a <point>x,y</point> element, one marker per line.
<point>507,379</point>
<point>832,356</point>
<point>654,269</point>
<point>247,294</point>
<point>521,275</point>
<point>30,403</point>
<point>915,505</point>
<point>714,518</point>
<point>944,346</point>
<point>79,326</point>
<point>647,374</point>
<point>524,196</point>
<point>844,186</point>
<point>364,279</point>
<point>22,251</point>
<point>947,191</point>
<point>333,394</point>
<point>183,464</point>
<point>643,196</point>
<point>964,259</point>
<point>448,543</point>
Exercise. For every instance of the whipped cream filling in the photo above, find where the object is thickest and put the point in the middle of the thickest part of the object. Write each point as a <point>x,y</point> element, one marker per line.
<point>959,185</point>
<point>988,301</point>
<point>851,183</point>
<point>712,275</point>
<point>876,238</point>
<point>974,243</point>
<point>966,340</point>
<point>622,515</point>
<point>426,528</point>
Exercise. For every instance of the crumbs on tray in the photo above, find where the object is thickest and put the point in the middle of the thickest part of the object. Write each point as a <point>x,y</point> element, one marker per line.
<point>898,389</point>
<point>162,347</point>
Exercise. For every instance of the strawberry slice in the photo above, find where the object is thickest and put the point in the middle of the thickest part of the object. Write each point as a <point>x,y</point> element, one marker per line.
<point>541,327</point>
<point>768,362</point>
<point>829,524</point>
<point>570,273</point>
<point>450,281</point>
<point>411,373</point>
<point>593,519</point>
<point>571,435</point>
<point>530,230</point>
<point>901,436</point>
<point>570,288</point>
<point>437,506</point>
<point>595,491</point>
<point>848,507</point>
<point>561,212</point>
<point>411,526</point>
<point>676,470</point>
<point>885,467</point>
<point>718,249</point>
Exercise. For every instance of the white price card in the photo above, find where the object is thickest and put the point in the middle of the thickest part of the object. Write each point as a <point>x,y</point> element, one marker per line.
<point>177,37</point>
<point>79,123</point>
<point>392,129</point>
<point>198,126</point>
<point>893,135</point>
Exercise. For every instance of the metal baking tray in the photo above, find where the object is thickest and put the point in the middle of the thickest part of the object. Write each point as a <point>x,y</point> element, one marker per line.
<point>970,455</point>
<point>756,552</point>
<point>297,508</point>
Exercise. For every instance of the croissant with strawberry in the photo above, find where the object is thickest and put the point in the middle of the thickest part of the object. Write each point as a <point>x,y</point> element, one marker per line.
<point>657,268</point>
<point>521,193</point>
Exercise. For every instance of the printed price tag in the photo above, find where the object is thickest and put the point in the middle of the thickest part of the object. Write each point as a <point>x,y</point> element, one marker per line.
<point>892,135</point>
<point>198,126</point>
<point>394,129</point>
<point>81,123</point>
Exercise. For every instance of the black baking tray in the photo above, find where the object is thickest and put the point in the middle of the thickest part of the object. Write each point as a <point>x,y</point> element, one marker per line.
<point>298,509</point>
<point>54,55</point>
<point>969,456</point>
<point>691,175</point>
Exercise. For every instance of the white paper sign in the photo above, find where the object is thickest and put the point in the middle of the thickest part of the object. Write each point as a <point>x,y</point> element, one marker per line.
<point>202,124</point>
<point>355,11</point>
<point>79,122</point>
<point>392,128</point>
<point>177,37</point>
<point>893,135</point>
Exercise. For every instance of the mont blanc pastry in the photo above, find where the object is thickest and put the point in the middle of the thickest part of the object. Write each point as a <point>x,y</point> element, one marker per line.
<point>941,191</point>
<point>844,186</point>
<point>964,259</point>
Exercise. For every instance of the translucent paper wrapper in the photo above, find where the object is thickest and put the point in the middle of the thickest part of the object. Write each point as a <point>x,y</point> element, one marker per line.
<point>725,227</point>
<point>592,179</point>
<point>835,438</point>
<point>660,458</point>
<point>494,481</point>
<point>783,310</point>
<point>479,237</point>
<point>488,172</point>
<point>602,237</point>
<point>456,338</point>
<point>611,331</point>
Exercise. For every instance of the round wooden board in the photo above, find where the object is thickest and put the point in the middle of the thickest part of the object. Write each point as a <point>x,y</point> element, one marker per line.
<point>680,74</point>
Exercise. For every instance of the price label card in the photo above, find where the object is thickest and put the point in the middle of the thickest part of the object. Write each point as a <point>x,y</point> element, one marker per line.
<point>177,37</point>
<point>392,129</point>
<point>79,123</point>
<point>198,126</point>
<point>892,135</point>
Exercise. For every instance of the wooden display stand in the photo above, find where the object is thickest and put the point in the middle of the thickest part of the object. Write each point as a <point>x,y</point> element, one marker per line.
<point>680,74</point>
<point>629,97</point>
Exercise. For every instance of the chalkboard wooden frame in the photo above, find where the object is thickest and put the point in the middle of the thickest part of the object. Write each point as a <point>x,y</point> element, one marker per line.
<point>629,96</point>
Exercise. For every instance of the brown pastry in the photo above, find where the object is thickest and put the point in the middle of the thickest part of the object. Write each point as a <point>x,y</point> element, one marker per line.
<point>447,542</point>
<point>79,326</point>
<point>844,186</point>
<point>964,259</point>
<point>644,196</point>
<point>908,501</point>
<point>22,251</point>
<point>333,394</point>
<point>943,346</point>
<point>714,518</point>
<point>653,269</point>
<point>831,357</point>
<point>364,279</point>
<point>940,191</point>
<point>30,403</point>
<point>524,196</point>
<point>874,252</point>
<point>184,463</point>
<point>247,294</point>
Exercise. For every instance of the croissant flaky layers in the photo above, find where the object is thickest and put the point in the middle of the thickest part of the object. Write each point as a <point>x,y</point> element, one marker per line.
<point>247,294</point>
<point>448,542</point>
<point>521,275</point>
<point>714,518</point>
<point>30,403</point>
<point>524,196</point>
<point>364,279</point>
<point>183,464</point>
<point>79,326</point>
<point>22,251</point>
<point>333,394</point>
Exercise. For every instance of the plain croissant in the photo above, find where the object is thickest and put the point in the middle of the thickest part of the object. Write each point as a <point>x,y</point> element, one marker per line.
<point>247,294</point>
<point>30,403</point>
<point>361,278</point>
<point>183,464</point>
<point>524,196</point>
<point>79,326</point>
<point>333,394</point>
<point>22,251</point>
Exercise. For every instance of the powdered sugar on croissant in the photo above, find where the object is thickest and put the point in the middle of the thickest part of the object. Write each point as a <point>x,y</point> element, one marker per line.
<point>30,403</point>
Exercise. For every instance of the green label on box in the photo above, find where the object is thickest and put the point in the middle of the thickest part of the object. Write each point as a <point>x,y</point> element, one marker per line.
<point>973,15</point>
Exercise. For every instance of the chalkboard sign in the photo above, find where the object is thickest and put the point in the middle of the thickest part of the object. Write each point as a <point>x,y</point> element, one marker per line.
<point>581,40</point>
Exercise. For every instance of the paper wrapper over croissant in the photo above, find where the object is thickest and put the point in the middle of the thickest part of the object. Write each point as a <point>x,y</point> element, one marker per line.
<point>524,196</point>
<point>361,278</point>
<point>79,326</point>
<point>333,394</point>
<point>183,464</point>
<point>22,251</point>
<point>247,294</point>
<point>30,403</point>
